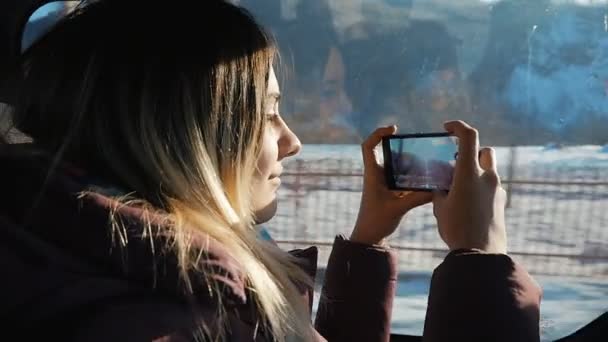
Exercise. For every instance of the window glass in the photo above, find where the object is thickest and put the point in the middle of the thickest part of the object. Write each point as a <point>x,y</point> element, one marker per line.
<point>531,75</point>
<point>43,19</point>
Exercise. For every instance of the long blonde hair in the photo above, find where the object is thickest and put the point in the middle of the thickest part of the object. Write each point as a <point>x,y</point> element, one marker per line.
<point>167,100</point>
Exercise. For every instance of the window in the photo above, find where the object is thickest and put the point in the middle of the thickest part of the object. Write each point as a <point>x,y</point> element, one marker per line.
<point>43,19</point>
<point>531,75</point>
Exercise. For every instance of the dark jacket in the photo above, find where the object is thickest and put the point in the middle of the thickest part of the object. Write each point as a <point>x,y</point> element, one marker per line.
<point>66,275</point>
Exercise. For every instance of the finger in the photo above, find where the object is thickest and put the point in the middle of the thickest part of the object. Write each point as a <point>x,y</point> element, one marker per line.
<point>439,197</point>
<point>368,146</point>
<point>487,159</point>
<point>416,198</point>
<point>468,147</point>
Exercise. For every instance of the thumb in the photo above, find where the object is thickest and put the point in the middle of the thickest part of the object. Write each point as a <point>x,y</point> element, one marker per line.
<point>487,159</point>
<point>416,199</point>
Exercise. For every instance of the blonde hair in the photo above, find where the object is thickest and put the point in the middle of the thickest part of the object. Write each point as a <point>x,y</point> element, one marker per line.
<point>168,102</point>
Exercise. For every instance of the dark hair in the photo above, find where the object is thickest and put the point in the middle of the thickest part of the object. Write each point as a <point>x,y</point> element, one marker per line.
<point>102,61</point>
<point>168,97</point>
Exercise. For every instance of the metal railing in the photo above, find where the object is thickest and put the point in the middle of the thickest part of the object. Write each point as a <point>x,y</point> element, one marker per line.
<point>557,217</point>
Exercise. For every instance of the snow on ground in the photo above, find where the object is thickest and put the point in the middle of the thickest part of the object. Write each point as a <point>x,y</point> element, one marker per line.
<point>549,220</point>
<point>542,219</point>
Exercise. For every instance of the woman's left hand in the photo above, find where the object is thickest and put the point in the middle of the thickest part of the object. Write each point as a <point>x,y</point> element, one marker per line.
<point>381,209</point>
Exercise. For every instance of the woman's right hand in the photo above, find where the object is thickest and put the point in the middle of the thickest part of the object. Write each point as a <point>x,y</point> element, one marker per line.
<point>471,215</point>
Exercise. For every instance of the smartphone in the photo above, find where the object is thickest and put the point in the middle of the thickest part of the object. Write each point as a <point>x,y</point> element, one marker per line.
<point>420,162</point>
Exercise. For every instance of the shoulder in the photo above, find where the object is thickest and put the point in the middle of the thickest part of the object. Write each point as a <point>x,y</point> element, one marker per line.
<point>147,318</point>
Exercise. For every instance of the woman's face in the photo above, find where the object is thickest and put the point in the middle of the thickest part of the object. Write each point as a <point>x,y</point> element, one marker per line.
<point>278,142</point>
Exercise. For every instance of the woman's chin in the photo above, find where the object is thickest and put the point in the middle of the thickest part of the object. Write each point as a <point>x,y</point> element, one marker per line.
<point>266,212</point>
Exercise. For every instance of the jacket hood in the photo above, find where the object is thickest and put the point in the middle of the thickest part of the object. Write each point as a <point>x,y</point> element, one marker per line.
<point>61,254</point>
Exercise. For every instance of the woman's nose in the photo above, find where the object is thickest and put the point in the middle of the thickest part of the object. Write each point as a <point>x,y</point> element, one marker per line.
<point>289,145</point>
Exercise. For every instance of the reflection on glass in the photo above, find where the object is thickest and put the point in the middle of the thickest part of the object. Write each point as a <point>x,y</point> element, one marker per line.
<point>524,72</point>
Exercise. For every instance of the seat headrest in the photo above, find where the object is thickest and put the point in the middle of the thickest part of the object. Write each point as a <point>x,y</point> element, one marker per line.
<point>18,32</point>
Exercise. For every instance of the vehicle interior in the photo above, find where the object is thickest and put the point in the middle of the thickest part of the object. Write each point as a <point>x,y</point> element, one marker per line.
<point>531,75</point>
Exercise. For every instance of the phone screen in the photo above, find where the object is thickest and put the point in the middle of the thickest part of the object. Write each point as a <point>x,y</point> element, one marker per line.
<point>421,162</point>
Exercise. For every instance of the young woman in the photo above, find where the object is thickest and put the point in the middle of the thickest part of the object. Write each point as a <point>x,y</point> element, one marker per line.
<point>157,146</point>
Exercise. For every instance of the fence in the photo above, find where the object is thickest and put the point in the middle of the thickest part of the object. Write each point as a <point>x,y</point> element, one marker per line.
<point>556,218</point>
